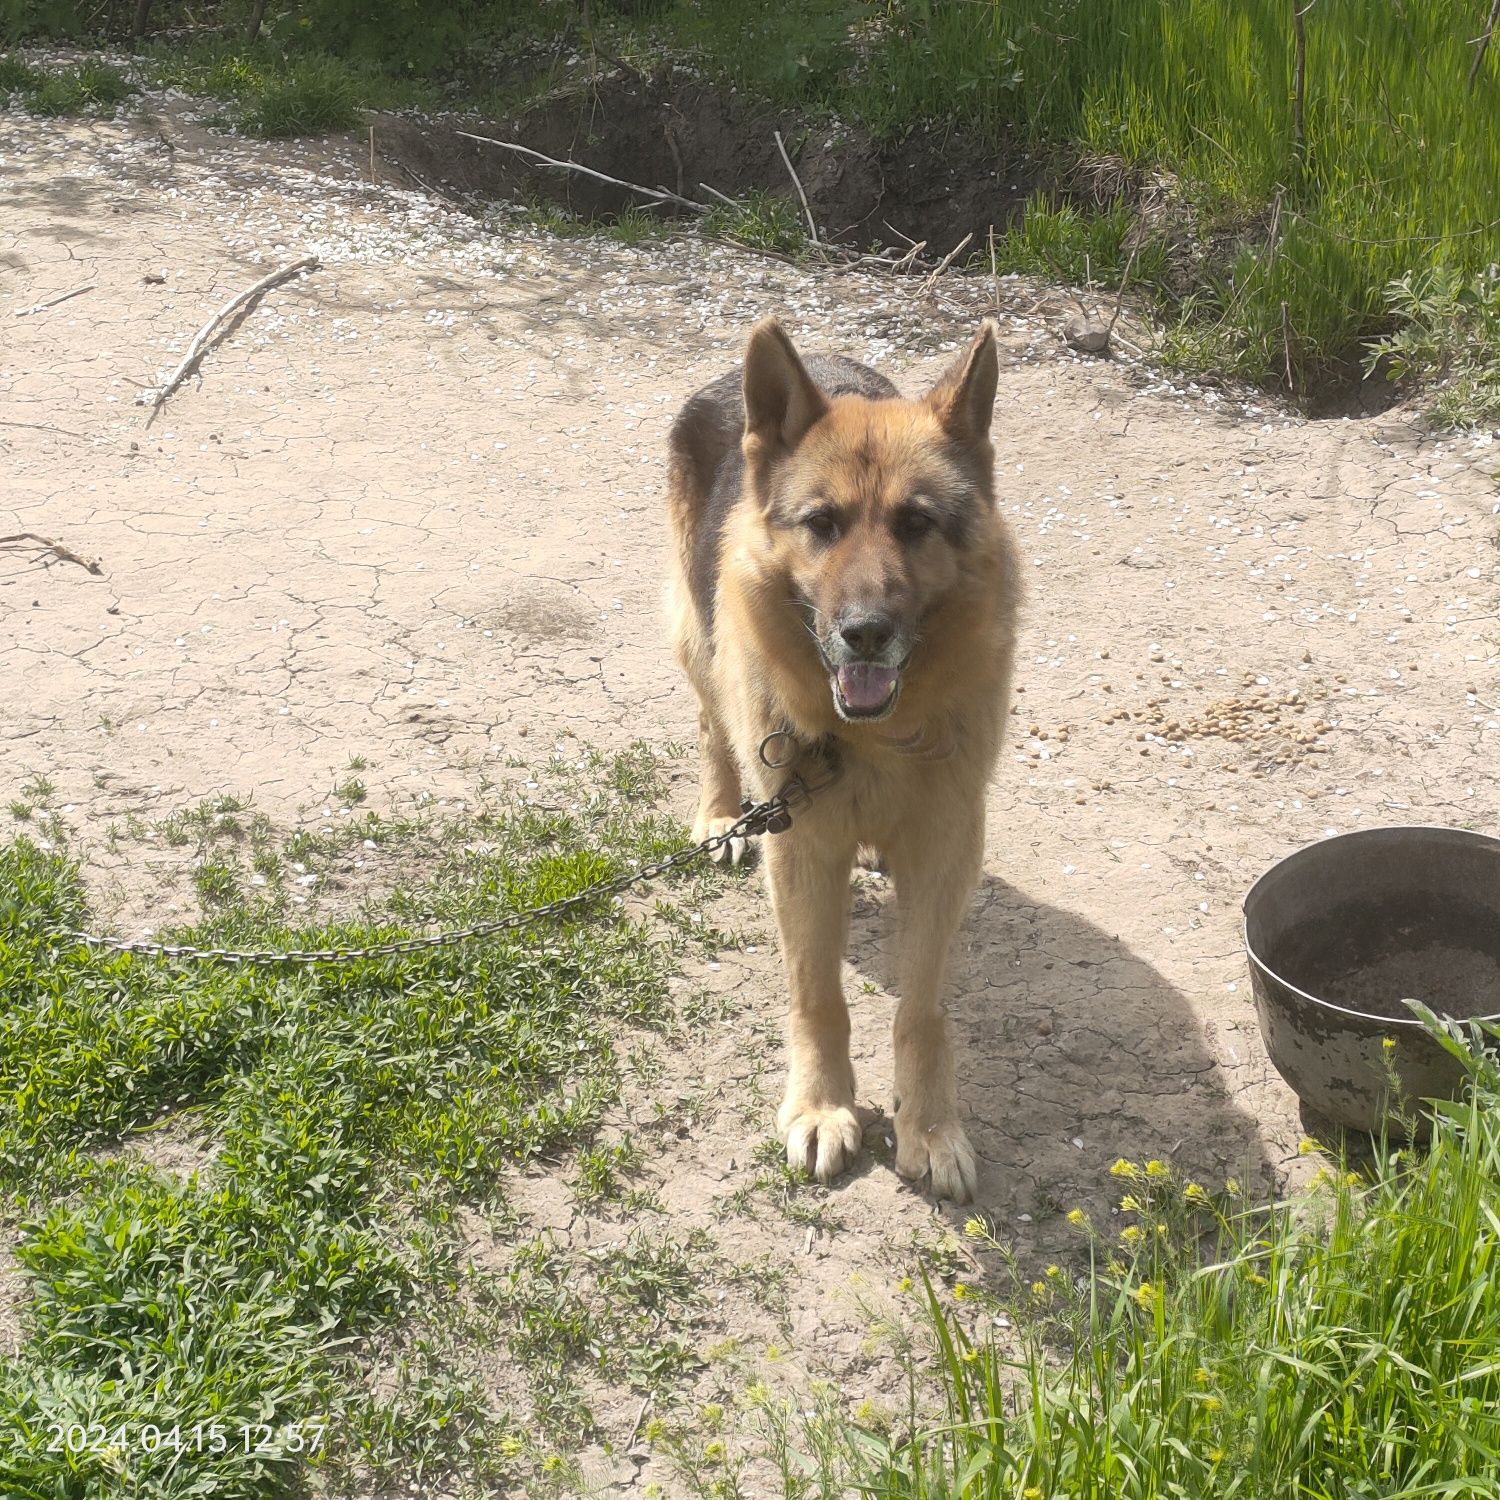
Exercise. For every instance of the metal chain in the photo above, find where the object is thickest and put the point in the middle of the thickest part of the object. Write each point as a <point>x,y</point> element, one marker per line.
<point>774,815</point>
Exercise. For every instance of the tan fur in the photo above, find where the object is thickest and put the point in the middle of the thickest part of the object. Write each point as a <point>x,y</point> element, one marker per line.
<point>756,668</point>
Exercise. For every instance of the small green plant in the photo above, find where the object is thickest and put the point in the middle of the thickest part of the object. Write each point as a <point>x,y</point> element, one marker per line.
<point>763,221</point>
<point>351,791</point>
<point>313,95</point>
<point>16,77</point>
<point>1448,340</point>
<point>89,89</point>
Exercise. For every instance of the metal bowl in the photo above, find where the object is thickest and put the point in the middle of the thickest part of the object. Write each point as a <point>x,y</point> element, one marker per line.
<point>1340,906</point>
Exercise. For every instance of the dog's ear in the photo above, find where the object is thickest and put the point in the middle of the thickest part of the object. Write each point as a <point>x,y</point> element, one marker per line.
<point>781,401</point>
<point>964,399</point>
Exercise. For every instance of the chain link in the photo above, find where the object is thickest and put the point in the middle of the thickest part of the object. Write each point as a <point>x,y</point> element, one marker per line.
<point>774,815</point>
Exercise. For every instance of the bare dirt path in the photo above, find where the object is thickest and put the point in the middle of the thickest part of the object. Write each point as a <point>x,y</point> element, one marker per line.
<point>411,511</point>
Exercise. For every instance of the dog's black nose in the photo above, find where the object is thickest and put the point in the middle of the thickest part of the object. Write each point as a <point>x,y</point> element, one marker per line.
<point>867,635</point>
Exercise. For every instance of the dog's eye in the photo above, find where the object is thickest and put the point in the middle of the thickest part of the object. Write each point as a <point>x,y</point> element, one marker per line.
<point>822,525</point>
<point>913,525</point>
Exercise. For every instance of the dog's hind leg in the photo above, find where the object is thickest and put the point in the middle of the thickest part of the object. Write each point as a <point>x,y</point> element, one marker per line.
<point>935,864</point>
<point>808,870</point>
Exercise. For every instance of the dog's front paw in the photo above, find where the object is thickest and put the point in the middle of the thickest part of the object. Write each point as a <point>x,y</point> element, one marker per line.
<point>711,828</point>
<point>821,1140</point>
<point>938,1150</point>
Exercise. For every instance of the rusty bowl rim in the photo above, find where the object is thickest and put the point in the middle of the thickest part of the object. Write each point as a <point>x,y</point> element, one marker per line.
<point>1334,838</point>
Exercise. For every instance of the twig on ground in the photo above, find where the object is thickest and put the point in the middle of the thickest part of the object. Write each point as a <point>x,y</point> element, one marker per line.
<point>62,553</point>
<point>671,141</point>
<point>812,229</point>
<point>427,187</point>
<point>36,307</point>
<point>373,178</point>
<point>738,207</point>
<point>1120,295</point>
<point>660,194</point>
<point>943,264</point>
<point>244,299</point>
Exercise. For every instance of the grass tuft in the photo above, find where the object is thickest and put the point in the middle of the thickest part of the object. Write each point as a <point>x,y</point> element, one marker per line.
<point>1347,1345</point>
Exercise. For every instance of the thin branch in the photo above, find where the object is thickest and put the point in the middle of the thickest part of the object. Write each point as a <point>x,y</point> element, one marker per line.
<point>62,553</point>
<point>660,194</point>
<point>245,299</point>
<point>1482,44</point>
<point>739,207</point>
<point>943,264</point>
<point>812,228</point>
<point>36,307</point>
<point>1120,295</point>
<point>1299,78</point>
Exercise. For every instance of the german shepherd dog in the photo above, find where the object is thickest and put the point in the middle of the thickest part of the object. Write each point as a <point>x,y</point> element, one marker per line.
<point>844,583</point>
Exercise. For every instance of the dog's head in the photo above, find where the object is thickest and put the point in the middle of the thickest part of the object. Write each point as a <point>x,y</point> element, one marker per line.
<point>868,508</point>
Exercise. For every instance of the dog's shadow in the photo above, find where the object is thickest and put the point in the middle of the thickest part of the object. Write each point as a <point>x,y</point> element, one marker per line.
<point>1072,1052</point>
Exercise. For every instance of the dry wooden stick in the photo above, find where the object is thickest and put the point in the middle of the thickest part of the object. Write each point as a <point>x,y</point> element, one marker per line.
<point>1299,77</point>
<point>36,307</point>
<point>1124,282</point>
<point>1482,45</point>
<point>812,228</point>
<point>660,194</point>
<point>62,553</point>
<point>943,265</point>
<point>201,338</point>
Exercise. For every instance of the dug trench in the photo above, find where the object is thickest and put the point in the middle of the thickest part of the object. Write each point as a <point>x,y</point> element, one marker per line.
<point>673,131</point>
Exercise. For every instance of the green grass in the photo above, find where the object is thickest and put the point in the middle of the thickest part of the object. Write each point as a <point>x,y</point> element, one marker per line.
<point>1341,1347</point>
<point>92,88</point>
<point>339,1119</point>
<point>1163,126</point>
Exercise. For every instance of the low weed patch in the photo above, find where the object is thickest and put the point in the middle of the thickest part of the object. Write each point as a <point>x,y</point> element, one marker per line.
<point>231,1189</point>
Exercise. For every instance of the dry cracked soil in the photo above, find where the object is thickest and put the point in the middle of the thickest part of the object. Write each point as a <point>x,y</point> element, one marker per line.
<point>411,510</point>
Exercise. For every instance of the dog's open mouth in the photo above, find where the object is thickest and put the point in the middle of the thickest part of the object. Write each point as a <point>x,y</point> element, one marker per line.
<point>864,690</point>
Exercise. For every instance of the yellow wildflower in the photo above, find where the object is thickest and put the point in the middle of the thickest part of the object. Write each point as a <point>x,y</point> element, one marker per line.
<point>511,1446</point>
<point>1077,1217</point>
<point>655,1430</point>
<point>975,1229</point>
<point>1144,1295</point>
<point>1212,1403</point>
<point>1306,1146</point>
<point>1054,1272</point>
<point>960,1291</point>
<point>714,1451</point>
<point>970,1355</point>
<point>1216,1455</point>
<point>1232,1185</point>
<point>904,1285</point>
<point>1389,1043</point>
<point>1158,1169</point>
<point>1202,1376</point>
<point>711,1414</point>
<point>1038,1289</point>
<point>1130,1204</point>
<point>1123,1168</point>
<point>1132,1234</point>
<point>1194,1193</point>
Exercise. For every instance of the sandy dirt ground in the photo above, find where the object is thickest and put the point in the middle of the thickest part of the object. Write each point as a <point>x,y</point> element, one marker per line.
<point>412,511</point>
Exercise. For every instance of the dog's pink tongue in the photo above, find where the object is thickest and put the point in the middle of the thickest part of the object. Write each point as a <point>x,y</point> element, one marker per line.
<point>863,685</point>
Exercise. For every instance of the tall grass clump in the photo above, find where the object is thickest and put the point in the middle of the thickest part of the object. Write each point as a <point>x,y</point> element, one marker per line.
<point>1344,1345</point>
<point>1397,172</point>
